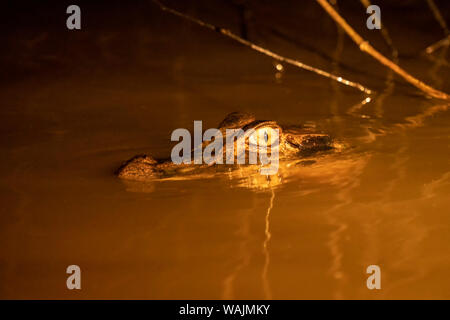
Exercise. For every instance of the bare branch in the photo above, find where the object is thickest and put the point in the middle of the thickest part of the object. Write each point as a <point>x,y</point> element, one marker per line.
<point>366,47</point>
<point>385,33</point>
<point>265,51</point>
<point>443,42</point>
<point>437,14</point>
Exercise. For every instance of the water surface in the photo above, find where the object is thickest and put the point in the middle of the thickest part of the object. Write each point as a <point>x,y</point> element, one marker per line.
<point>77,106</point>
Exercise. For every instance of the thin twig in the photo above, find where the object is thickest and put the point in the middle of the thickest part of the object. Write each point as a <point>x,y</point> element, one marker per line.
<point>262,50</point>
<point>441,43</point>
<point>390,84</point>
<point>366,47</point>
<point>438,16</point>
<point>384,32</point>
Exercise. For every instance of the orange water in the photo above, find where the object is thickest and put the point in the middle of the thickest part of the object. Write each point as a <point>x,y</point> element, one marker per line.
<point>385,201</point>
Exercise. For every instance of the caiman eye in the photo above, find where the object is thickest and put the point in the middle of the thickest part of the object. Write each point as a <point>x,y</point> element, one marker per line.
<point>268,137</point>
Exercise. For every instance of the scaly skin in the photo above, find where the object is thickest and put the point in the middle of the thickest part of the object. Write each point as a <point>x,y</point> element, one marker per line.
<point>295,143</point>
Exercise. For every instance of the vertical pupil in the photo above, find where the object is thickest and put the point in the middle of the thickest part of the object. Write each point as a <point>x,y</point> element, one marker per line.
<point>266,136</point>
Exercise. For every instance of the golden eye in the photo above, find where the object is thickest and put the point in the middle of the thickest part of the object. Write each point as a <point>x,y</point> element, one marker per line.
<point>264,137</point>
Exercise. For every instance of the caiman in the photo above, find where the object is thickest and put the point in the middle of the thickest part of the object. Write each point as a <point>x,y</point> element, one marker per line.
<point>298,146</point>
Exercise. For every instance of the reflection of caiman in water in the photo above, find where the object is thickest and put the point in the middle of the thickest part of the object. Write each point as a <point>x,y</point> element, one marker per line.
<point>299,146</point>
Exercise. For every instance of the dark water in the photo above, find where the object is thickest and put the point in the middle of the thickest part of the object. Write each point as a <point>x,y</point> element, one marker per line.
<point>74,106</point>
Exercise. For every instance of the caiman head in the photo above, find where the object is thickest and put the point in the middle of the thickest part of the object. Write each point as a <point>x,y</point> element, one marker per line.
<point>294,142</point>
